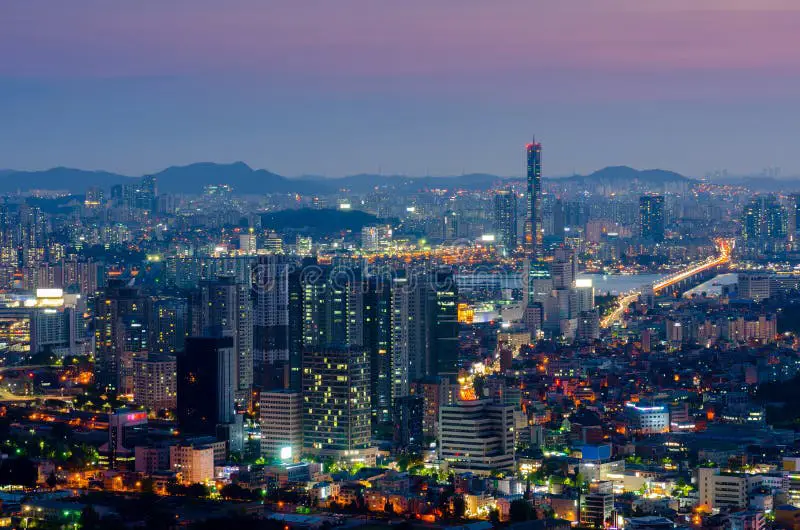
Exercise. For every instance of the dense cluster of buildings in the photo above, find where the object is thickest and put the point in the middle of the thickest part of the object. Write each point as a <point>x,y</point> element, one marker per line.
<point>501,355</point>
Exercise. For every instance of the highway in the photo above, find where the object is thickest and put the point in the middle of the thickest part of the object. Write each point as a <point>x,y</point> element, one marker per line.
<point>724,248</point>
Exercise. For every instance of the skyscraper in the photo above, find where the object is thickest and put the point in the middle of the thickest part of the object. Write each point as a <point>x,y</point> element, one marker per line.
<point>477,437</point>
<point>146,193</point>
<point>168,325</point>
<point>777,220</point>
<point>409,338</point>
<point>336,405</point>
<point>271,321</point>
<point>793,212</point>
<point>120,328</point>
<point>764,218</point>
<point>155,382</point>
<point>444,326</point>
<point>533,221</point>
<point>407,421</point>
<point>206,383</point>
<point>281,425</point>
<point>378,342</point>
<point>651,217</point>
<point>222,307</point>
<point>505,219</point>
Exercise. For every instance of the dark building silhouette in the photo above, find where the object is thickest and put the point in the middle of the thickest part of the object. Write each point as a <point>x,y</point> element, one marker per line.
<point>206,383</point>
<point>407,419</point>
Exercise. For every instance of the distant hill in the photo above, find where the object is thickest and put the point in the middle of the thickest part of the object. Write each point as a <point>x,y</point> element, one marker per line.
<point>613,175</point>
<point>246,180</point>
<point>243,179</point>
<point>57,178</point>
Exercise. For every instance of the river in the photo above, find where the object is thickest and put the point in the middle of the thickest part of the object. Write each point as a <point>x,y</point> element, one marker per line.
<point>615,284</point>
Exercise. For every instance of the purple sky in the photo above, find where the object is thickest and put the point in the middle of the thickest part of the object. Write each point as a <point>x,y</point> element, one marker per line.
<point>417,87</point>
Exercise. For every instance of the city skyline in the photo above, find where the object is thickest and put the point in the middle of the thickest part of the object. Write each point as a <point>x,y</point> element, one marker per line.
<point>246,82</point>
<point>188,341</point>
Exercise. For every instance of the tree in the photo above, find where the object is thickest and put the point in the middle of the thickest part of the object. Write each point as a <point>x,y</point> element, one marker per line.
<point>521,511</point>
<point>494,517</point>
<point>18,472</point>
<point>197,490</point>
<point>51,480</point>
<point>235,491</point>
<point>148,486</point>
<point>90,520</point>
<point>388,508</point>
<point>579,481</point>
<point>459,507</point>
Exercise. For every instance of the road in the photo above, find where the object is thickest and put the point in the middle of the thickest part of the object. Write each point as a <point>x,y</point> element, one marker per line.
<point>724,248</point>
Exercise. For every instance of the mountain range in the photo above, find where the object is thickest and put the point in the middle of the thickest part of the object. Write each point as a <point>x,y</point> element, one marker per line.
<point>246,180</point>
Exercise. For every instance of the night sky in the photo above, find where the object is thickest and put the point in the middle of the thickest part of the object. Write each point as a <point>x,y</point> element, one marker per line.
<point>337,87</point>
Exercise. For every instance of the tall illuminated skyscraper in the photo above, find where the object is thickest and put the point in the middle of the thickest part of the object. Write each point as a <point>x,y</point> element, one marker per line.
<point>533,221</point>
<point>651,217</point>
<point>505,219</point>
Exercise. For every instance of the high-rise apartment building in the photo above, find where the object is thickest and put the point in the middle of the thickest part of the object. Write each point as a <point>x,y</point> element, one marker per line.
<point>155,382</point>
<point>120,324</point>
<point>271,320</point>
<point>651,217</point>
<point>222,308</point>
<point>505,219</point>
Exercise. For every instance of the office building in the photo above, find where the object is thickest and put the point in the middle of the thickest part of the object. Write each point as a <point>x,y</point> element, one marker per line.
<point>248,244</point>
<point>206,384</point>
<point>722,490</point>
<point>537,282</point>
<point>588,326</point>
<point>126,429</point>
<point>444,325</point>
<point>647,418</point>
<point>376,238</point>
<point>408,415</point>
<point>582,296</point>
<point>281,418</point>
<point>336,404</point>
<point>754,286</point>
<point>194,464</point>
<point>476,437</point>
<point>597,505</point>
